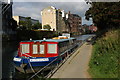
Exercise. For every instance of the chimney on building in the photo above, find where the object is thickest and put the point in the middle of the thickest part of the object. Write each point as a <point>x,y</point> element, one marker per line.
<point>69,12</point>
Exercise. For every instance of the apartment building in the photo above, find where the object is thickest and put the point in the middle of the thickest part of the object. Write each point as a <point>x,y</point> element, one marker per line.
<point>74,21</point>
<point>60,21</point>
<point>21,18</point>
<point>56,18</point>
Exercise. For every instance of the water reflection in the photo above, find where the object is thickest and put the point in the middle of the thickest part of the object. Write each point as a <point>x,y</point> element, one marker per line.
<point>83,37</point>
<point>9,50</point>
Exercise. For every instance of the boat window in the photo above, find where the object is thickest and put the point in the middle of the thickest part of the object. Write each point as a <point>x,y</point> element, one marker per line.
<point>42,49</point>
<point>52,48</point>
<point>35,49</point>
<point>25,48</point>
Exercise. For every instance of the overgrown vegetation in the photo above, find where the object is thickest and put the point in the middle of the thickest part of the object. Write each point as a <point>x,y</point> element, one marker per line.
<point>35,35</point>
<point>105,15</point>
<point>105,57</point>
<point>47,26</point>
<point>27,24</point>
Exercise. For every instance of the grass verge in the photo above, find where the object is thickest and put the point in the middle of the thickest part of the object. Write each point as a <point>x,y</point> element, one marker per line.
<point>105,59</point>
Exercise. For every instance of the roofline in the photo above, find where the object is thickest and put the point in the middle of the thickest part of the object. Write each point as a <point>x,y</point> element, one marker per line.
<point>49,40</point>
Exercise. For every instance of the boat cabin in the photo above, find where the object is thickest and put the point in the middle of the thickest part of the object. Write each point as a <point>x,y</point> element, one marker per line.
<point>44,48</point>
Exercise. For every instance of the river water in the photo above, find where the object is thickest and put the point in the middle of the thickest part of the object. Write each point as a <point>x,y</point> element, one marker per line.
<point>9,50</point>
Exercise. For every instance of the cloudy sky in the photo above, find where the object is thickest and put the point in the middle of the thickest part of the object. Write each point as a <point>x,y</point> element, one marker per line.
<point>33,9</point>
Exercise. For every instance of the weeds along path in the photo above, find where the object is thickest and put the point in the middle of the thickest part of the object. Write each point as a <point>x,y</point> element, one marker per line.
<point>105,62</point>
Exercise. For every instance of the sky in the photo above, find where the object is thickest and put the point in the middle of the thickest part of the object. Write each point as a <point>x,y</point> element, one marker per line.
<point>33,9</point>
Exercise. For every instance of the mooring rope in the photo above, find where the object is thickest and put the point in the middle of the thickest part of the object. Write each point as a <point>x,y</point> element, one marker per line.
<point>42,68</point>
<point>32,67</point>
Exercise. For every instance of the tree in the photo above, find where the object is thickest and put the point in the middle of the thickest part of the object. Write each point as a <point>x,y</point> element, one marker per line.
<point>22,23</point>
<point>105,15</point>
<point>47,26</point>
<point>28,23</point>
<point>37,26</point>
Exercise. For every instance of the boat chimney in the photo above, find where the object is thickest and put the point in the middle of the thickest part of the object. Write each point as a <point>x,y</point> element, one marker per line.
<point>30,38</point>
<point>44,38</point>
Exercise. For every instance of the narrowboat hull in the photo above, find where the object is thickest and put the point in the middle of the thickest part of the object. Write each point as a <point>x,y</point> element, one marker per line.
<point>31,65</point>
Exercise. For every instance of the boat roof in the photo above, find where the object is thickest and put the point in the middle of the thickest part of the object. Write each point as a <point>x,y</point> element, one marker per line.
<point>50,40</point>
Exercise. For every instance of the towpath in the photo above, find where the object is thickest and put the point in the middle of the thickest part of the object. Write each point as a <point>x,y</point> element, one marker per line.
<point>77,65</point>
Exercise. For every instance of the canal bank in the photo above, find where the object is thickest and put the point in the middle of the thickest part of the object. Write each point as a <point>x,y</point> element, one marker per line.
<point>77,65</point>
<point>105,60</point>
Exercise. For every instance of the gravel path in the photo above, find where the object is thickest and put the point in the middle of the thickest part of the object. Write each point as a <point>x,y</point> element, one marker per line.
<point>77,65</point>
